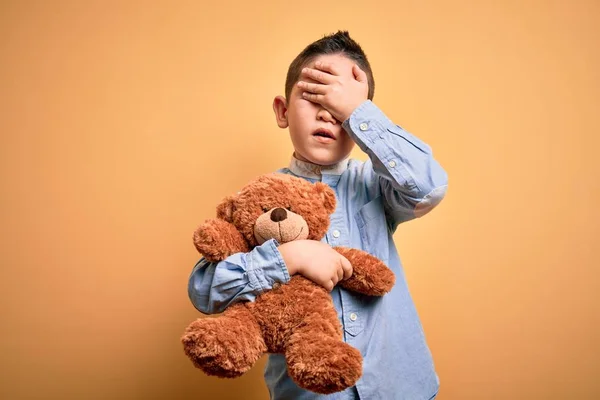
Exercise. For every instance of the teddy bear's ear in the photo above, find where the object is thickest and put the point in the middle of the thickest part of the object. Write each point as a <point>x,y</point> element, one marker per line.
<point>327,196</point>
<point>225,209</point>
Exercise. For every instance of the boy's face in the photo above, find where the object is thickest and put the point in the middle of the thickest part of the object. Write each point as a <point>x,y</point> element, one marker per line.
<point>304,118</point>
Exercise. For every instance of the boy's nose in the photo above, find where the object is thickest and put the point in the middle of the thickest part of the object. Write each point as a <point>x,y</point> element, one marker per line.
<point>324,115</point>
<point>278,215</point>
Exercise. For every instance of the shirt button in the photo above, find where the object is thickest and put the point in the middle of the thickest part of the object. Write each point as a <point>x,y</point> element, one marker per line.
<point>276,285</point>
<point>364,126</point>
<point>353,316</point>
<point>392,164</point>
<point>336,234</point>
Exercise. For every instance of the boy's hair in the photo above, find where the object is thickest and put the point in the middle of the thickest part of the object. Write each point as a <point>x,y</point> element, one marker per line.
<point>337,43</point>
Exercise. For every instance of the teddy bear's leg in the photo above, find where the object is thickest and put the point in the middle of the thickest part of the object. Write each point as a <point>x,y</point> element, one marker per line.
<point>370,275</point>
<point>318,360</point>
<point>225,346</point>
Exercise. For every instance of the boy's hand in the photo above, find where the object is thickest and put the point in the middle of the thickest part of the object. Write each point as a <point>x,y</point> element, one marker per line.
<point>337,92</point>
<point>316,261</point>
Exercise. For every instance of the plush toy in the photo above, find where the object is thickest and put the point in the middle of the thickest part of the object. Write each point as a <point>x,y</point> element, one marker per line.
<point>297,319</point>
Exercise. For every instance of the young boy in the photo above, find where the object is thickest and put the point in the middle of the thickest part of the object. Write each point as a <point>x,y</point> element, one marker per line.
<point>327,108</point>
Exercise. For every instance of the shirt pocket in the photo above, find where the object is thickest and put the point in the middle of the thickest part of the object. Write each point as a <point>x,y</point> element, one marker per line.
<point>373,229</point>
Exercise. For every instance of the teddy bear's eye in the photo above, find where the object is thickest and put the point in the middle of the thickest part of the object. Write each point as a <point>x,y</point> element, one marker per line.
<point>289,208</point>
<point>265,209</point>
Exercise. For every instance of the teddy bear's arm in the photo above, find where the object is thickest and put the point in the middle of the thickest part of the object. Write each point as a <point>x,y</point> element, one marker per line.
<point>370,275</point>
<point>216,240</point>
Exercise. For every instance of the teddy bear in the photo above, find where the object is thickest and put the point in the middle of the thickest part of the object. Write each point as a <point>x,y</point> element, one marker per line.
<point>298,318</point>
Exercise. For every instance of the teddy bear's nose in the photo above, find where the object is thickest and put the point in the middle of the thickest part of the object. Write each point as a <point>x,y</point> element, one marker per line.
<point>278,214</point>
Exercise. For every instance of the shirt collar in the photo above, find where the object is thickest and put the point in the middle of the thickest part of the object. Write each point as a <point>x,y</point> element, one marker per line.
<point>309,170</point>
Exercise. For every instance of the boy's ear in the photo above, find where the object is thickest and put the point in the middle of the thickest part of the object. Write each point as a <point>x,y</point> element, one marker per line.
<point>280,107</point>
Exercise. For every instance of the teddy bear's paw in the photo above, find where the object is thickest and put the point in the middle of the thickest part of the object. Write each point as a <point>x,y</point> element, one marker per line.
<point>370,275</point>
<point>383,280</point>
<point>220,348</point>
<point>324,367</point>
<point>216,240</point>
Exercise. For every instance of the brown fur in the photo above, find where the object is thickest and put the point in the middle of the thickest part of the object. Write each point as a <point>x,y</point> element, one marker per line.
<point>297,319</point>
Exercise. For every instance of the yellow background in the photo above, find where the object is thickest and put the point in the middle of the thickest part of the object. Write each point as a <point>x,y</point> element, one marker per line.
<point>124,123</point>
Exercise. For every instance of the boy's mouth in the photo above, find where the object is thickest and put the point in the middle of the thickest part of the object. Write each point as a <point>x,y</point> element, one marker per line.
<point>324,133</point>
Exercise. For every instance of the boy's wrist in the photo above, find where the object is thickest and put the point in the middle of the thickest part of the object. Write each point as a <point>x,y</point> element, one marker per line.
<point>356,113</point>
<point>287,253</point>
<point>355,109</point>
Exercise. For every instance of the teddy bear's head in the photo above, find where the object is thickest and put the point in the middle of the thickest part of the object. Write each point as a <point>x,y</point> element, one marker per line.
<point>281,207</point>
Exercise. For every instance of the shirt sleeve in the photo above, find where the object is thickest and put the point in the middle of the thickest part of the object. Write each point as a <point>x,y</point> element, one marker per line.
<point>411,181</point>
<point>212,287</point>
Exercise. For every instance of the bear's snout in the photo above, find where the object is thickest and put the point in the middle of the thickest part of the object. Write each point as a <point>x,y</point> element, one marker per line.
<point>278,215</point>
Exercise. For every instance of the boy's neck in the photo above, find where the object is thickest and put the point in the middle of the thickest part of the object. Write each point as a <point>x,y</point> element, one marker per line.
<point>307,169</point>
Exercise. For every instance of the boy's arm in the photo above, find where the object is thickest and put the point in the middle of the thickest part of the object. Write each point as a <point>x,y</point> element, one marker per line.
<point>412,182</point>
<point>242,276</point>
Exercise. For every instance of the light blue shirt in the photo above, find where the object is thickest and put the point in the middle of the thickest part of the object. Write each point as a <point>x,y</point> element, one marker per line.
<point>400,181</point>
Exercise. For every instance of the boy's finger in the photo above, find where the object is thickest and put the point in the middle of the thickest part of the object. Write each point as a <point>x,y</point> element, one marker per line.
<point>329,67</point>
<point>340,273</point>
<point>335,280</point>
<point>329,285</point>
<point>312,87</point>
<point>318,76</point>
<point>359,74</point>
<point>316,98</point>
<point>346,266</point>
